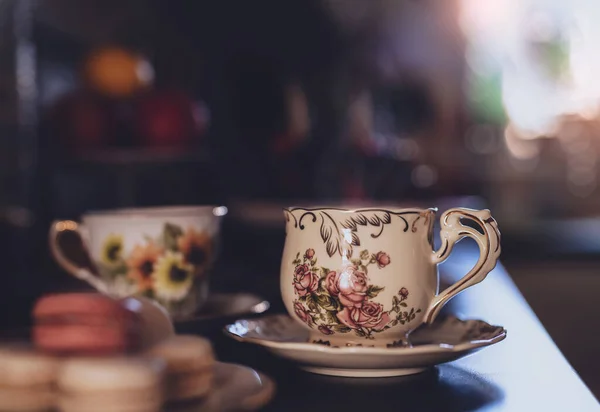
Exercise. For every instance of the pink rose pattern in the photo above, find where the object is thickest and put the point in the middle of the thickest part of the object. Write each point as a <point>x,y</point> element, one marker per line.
<point>341,301</point>
<point>349,286</point>
<point>325,330</point>
<point>301,312</point>
<point>403,292</point>
<point>383,259</point>
<point>305,280</point>
<point>309,254</point>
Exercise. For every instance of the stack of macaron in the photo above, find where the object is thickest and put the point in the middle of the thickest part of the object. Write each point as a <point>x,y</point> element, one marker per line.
<point>190,363</point>
<point>133,384</point>
<point>88,354</point>
<point>27,379</point>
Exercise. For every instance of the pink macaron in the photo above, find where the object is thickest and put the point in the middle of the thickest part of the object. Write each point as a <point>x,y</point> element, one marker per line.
<point>83,323</point>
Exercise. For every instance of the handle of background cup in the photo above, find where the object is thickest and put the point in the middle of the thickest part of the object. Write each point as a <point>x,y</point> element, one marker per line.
<point>82,273</point>
<point>452,231</point>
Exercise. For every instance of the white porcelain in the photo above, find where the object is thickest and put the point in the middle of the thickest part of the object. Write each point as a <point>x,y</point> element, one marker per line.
<point>369,276</point>
<point>164,253</point>
<point>236,388</point>
<point>445,340</point>
<point>227,305</point>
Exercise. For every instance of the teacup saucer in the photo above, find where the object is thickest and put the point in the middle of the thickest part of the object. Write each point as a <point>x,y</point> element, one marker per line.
<point>227,305</point>
<point>447,339</point>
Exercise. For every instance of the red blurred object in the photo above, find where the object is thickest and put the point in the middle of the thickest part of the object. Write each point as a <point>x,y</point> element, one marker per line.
<point>83,121</point>
<point>167,119</point>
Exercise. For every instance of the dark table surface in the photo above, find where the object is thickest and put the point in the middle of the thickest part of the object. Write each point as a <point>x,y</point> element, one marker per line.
<point>525,372</point>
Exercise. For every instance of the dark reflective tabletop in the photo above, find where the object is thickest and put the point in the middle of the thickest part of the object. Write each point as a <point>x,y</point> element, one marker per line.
<point>525,372</point>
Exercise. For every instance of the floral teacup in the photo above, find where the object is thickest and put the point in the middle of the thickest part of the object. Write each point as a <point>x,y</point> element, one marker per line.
<point>369,276</point>
<point>164,253</point>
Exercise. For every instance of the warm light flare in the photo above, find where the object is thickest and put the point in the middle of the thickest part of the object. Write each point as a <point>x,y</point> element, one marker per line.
<point>519,147</point>
<point>546,53</point>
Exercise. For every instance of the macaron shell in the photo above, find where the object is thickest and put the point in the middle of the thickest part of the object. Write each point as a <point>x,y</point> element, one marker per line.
<point>112,401</point>
<point>21,366</point>
<point>81,338</point>
<point>32,399</point>
<point>86,323</point>
<point>187,386</point>
<point>90,375</point>
<point>78,303</point>
<point>185,353</point>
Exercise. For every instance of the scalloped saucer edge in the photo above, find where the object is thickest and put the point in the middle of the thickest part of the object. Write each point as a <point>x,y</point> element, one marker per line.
<point>447,339</point>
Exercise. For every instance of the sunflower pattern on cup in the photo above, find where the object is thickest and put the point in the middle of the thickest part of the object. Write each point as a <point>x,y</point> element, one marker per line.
<point>172,277</point>
<point>163,268</point>
<point>196,248</point>
<point>342,300</point>
<point>112,250</point>
<point>141,263</point>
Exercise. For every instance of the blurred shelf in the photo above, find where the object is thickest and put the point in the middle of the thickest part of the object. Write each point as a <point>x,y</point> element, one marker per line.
<point>119,177</point>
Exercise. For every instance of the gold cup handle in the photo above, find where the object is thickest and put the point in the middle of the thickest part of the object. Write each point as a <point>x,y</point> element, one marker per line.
<point>452,231</point>
<point>56,229</point>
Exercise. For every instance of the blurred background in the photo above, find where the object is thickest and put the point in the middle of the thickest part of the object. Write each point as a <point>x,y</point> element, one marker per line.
<point>263,104</point>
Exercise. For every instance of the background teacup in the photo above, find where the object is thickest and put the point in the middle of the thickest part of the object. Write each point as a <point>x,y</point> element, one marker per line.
<point>164,253</point>
<point>369,276</point>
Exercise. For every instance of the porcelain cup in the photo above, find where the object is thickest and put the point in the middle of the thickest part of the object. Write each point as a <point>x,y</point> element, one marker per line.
<point>369,276</point>
<point>163,253</point>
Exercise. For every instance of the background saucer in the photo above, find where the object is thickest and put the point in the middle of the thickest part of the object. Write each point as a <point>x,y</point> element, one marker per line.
<point>227,305</point>
<point>221,308</point>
